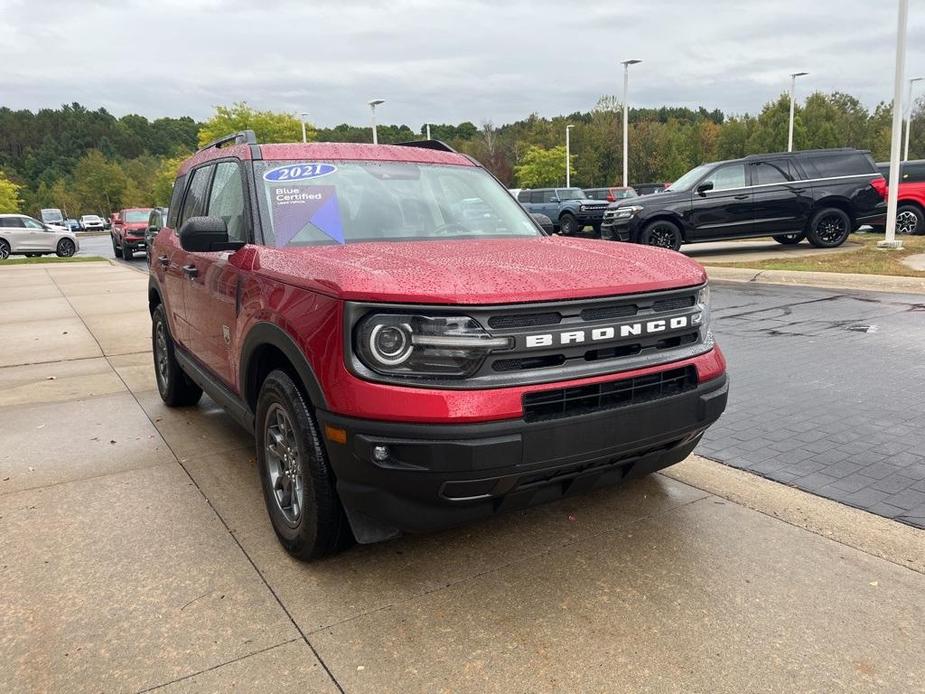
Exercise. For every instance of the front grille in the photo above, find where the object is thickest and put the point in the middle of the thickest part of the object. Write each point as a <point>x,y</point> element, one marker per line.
<point>569,402</point>
<point>528,320</point>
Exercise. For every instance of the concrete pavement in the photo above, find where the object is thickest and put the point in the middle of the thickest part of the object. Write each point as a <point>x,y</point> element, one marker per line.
<point>135,553</point>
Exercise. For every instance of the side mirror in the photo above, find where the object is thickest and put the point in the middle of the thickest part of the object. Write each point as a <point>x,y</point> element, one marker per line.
<point>704,187</point>
<point>205,235</point>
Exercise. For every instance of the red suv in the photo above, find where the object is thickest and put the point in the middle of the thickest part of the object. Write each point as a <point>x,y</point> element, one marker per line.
<point>128,231</point>
<point>910,208</point>
<point>409,348</point>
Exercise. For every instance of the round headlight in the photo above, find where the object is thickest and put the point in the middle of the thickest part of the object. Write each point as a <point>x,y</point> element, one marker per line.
<point>390,344</point>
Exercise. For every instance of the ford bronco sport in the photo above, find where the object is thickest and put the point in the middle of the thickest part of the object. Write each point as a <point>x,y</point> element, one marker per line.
<point>409,348</point>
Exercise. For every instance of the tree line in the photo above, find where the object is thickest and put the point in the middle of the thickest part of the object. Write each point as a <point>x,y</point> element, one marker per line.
<point>86,161</point>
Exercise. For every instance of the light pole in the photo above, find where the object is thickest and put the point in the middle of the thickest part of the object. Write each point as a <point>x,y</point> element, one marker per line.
<point>304,116</point>
<point>372,109</point>
<point>793,86</point>
<point>626,118</point>
<point>568,157</point>
<point>428,131</point>
<point>909,116</point>
<point>889,238</point>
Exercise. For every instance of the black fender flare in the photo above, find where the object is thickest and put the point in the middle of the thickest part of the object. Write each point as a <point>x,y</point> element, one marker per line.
<point>271,334</point>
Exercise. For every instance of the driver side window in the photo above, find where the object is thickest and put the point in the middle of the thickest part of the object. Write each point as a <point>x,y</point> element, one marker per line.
<point>726,177</point>
<point>31,224</point>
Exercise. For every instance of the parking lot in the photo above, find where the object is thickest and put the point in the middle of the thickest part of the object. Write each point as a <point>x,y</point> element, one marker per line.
<point>136,554</point>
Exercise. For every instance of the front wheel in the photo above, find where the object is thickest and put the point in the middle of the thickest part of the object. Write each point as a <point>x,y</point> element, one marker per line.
<point>789,239</point>
<point>829,228</point>
<point>661,233</point>
<point>175,387</point>
<point>909,220</point>
<point>298,484</point>
<point>66,248</point>
<point>568,225</point>
<point>127,253</point>
<point>116,250</point>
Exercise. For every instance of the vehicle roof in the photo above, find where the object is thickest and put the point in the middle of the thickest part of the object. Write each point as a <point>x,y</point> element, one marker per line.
<point>798,153</point>
<point>136,209</point>
<point>328,151</point>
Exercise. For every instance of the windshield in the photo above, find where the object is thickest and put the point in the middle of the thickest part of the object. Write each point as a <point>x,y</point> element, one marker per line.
<point>623,194</point>
<point>52,215</point>
<point>572,194</point>
<point>689,179</point>
<point>312,203</point>
<point>135,216</point>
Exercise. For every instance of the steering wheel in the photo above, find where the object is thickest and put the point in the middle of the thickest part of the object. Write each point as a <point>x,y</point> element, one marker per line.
<point>445,229</point>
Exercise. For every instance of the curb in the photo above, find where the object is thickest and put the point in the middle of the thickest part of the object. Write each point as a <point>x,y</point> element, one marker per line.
<point>90,234</point>
<point>828,280</point>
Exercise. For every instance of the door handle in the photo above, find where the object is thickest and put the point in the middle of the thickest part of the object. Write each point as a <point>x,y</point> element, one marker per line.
<point>741,197</point>
<point>190,271</point>
<point>163,260</point>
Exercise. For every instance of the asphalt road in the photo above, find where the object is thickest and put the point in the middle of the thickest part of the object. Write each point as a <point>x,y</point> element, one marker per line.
<point>827,393</point>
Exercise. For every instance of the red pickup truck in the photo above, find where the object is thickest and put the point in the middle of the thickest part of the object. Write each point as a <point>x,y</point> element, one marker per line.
<point>128,231</point>
<point>910,209</point>
<point>409,348</point>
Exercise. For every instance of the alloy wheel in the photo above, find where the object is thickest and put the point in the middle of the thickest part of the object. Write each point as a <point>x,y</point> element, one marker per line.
<point>284,463</point>
<point>160,355</point>
<point>831,228</point>
<point>4,251</point>
<point>906,222</point>
<point>662,236</point>
<point>66,248</point>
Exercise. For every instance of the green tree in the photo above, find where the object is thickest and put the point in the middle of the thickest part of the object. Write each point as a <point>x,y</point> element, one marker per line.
<point>543,167</point>
<point>9,195</point>
<point>269,126</point>
<point>163,180</point>
<point>100,185</point>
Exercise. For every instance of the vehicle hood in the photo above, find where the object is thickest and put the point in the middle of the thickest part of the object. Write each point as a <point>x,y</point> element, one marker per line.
<point>135,226</point>
<point>657,199</point>
<point>480,271</point>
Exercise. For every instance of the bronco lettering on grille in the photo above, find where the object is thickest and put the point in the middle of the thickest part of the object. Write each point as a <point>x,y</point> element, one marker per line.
<point>613,332</point>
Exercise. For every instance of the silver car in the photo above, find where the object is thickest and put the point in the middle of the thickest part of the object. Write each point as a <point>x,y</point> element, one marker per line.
<point>92,222</point>
<point>22,235</point>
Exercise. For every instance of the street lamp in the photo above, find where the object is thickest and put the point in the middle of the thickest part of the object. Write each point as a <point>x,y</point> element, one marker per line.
<point>793,86</point>
<point>304,117</point>
<point>626,118</point>
<point>568,160</point>
<point>372,109</point>
<point>909,116</point>
<point>889,238</point>
<point>428,130</point>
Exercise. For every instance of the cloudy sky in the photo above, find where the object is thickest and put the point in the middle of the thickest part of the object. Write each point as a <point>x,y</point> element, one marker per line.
<point>442,60</point>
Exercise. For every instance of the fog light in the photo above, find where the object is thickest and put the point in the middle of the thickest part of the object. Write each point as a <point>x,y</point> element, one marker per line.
<point>380,453</point>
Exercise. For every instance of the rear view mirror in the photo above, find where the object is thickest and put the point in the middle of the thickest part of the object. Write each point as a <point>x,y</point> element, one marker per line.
<point>704,187</point>
<point>206,235</point>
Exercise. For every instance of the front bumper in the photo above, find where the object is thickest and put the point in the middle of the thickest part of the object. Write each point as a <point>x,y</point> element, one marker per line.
<point>133,244</point>
<point>442,475</point>
<point>592,216</point>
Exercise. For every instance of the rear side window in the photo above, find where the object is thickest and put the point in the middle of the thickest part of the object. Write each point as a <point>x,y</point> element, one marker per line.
<point>913,172</point>
<point>536,196</point>
<point>195,203</point>
<point>774,171</point>
<point>549,196</point>
<point>523,196</point>
<point>11,222</point>
<point>840,164</point>
<point>176,197</point>
<point>227,199</point>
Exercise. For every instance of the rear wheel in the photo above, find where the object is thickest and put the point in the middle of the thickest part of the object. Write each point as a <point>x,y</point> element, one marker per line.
<point>829,228</point>
<point>66,248</point>
<point>568,225</point>
<point>4,249</point>
<point>909,220</point>
<point>175,387</point>
<point>661,233</point>
<point>789,239</point>
<point>298,484</point>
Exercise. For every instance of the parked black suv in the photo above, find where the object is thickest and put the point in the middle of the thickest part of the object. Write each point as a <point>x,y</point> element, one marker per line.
<point>822,195</point>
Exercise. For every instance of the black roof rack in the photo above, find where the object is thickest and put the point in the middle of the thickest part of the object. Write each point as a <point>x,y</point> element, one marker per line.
<point>428,144</point>
<point>244,137</point>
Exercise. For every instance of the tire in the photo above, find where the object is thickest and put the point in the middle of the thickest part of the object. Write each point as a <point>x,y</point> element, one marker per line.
<point>829,228</point>
<point>175,387</point>
<point>789,239</point>
<point>116,250</point>
<point>4,249</point>
<point>127,254</point>
<point>910,220</point>
<point>568,225</point>
<point>65,249</point>
<point>597,229</point>
<point>661,233</point>
<point>298,484</point>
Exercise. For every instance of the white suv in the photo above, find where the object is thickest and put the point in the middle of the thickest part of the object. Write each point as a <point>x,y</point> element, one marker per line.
<point>24,235</point>
<point>92,222</point>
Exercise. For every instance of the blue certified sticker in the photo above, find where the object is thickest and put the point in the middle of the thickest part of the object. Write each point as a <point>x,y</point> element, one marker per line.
<point>299,172</point>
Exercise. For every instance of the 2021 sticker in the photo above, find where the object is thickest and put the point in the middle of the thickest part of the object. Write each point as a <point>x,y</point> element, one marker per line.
<point>299,172</point>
